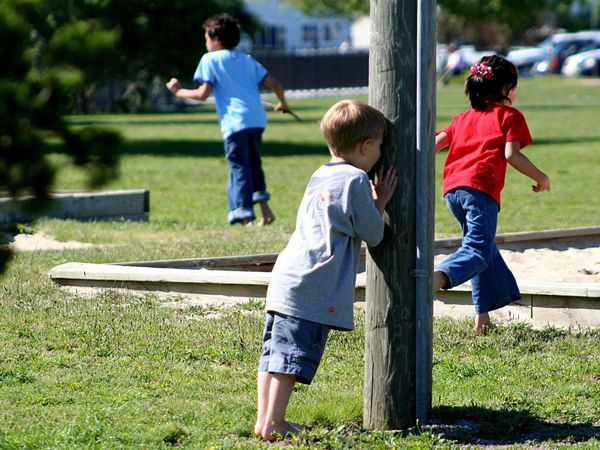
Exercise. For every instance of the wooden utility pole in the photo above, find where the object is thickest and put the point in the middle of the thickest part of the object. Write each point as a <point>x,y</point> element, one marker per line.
<point>399,301</point>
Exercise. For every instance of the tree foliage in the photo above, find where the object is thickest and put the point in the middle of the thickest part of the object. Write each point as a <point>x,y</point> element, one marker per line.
<point>36,78</point>
<point>54,49</point>
<point>485,22</point>
<point>347,7</point>
<point>494,22</point>
<point>156,38</point>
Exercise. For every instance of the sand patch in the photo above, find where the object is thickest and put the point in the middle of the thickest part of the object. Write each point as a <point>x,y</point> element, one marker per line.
<point>574,262</point>
<point>41,241</point>
<point>587,81</point>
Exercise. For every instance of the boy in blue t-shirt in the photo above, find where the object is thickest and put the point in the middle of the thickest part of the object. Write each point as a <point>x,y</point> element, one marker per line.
<point>234,77</point>
<point>312,284</point>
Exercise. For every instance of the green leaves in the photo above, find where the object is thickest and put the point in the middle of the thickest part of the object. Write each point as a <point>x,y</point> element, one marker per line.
<point>325,7</point>
<point>98,149</point>
<point>86,45</point>
<point>37,79</point>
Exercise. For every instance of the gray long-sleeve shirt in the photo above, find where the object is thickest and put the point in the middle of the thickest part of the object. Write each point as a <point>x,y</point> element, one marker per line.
<point>315,275</point>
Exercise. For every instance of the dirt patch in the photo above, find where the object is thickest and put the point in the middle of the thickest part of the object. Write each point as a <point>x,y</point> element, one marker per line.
<point>587,81</point>
<point>41,241</point>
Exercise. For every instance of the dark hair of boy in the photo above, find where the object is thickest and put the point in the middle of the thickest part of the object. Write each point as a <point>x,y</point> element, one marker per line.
<point>483,89</point>
<point>225,28</point>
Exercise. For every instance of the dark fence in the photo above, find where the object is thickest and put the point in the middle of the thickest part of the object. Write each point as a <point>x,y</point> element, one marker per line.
<point>317,70</point>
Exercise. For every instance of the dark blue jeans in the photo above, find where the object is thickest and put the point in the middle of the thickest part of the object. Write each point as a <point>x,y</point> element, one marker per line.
<point>246,183</point>
<point>478,258</point>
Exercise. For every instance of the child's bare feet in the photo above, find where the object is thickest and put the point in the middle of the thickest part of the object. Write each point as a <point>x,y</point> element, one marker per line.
<point>263,222</point>
<point>268,216</point>
<point>258,426</point>
<point>273,432</point>
<point>483,324</point>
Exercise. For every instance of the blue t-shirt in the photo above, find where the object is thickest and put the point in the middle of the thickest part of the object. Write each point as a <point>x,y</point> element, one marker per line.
<point>234,77</point>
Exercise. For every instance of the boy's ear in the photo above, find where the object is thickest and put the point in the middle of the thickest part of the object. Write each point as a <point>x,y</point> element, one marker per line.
<point>364,146</point>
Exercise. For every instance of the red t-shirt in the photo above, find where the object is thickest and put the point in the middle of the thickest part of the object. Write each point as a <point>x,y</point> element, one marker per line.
<point>476,154</point>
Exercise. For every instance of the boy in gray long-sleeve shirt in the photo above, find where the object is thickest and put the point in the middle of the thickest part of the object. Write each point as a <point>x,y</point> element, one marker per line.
<point>312,284</point>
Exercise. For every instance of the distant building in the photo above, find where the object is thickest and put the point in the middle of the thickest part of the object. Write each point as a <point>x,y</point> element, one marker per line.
<point>360,33</point>
<point>286,28</point>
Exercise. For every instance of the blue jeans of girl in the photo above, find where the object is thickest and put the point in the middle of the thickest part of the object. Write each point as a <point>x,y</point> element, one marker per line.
<point>246,183</point>
<point>478,258</point>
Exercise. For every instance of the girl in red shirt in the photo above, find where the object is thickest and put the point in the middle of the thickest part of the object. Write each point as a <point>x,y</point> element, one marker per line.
<point>481,142</point>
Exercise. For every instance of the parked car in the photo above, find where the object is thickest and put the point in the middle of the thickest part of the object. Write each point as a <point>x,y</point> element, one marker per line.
<point>569,45</point>
<point>548,55</point>
<point>525,58</point>
<point>584,63</point>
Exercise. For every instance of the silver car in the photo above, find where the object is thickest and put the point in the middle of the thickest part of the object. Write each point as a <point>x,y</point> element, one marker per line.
<point>584,63</point>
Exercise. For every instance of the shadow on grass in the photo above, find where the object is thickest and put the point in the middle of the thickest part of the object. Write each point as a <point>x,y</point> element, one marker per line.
<point>556,107</point>
<point>537,142</point>
<point>208,149</point>
<point>567,140</point>
<point>186,117</point>
<point>211,148</point>
<point>150,121</point>
<point>476,425</point>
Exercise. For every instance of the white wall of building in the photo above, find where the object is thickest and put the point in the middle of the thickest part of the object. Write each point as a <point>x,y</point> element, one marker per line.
<point>297,30</point>
<point>359,33</point>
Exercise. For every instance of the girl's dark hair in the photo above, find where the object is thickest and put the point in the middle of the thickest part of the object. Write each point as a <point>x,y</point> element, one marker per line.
<point>490,80</point>
<point>225,28</point>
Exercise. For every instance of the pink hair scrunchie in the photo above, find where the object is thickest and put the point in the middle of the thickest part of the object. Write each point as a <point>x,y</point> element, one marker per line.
<point>483,70</point>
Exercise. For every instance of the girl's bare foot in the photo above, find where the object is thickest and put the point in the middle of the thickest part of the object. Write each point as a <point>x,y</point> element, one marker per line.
<point>440,280</point>
<point>483,324</point>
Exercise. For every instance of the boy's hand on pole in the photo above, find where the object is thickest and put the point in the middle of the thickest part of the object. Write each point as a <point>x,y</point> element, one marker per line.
<point>385,184</point>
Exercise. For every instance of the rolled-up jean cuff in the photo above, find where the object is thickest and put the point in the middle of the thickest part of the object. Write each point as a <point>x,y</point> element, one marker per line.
<point>260,196</point>
<point>240,214</point>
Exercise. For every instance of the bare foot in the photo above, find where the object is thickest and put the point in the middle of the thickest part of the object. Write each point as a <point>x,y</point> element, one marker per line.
<point>268,216</point>
<point>248,222</point>
<point>272,433</point>
<point>258,426</point>
<point>483,324</point>
<point>262,222</point>
<point>297,426</point>
<point>440,280</point>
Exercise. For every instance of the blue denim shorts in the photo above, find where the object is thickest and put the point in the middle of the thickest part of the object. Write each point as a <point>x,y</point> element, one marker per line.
<point>292,346</point>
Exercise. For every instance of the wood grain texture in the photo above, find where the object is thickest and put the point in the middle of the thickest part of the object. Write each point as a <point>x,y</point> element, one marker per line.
<point>390,292</point>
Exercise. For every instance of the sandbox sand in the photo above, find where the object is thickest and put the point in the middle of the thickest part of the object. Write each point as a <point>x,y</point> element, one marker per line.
<point>574,261</point>
<point>570,261</point>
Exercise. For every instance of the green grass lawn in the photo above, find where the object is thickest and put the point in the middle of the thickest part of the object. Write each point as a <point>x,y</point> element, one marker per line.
<point>121,371</point>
